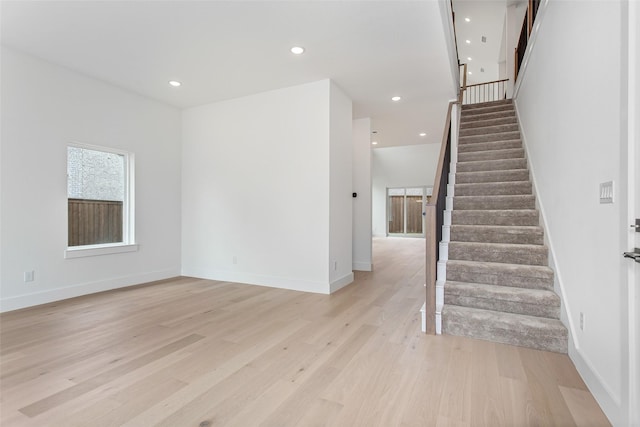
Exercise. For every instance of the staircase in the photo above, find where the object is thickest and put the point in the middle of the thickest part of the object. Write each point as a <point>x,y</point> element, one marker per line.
<point>498,284</point>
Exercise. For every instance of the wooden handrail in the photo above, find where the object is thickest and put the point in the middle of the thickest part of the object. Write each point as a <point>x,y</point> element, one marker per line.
<point>486,83</point>
<point>434,211</point>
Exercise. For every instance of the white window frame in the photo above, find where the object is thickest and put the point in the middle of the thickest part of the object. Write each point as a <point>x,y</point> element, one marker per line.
<point>128,212</point>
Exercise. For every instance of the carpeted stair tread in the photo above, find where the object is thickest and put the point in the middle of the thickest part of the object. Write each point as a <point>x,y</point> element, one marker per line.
<point>482,117</point>
<point>494,202</point>
<point>475,156</point>
<point>517,329</point>
<point>532,302</point>
<point>489,137</point>
<point>480,105</point>
<point>508,253</point>
<point>508,127</point>
<point>486,146</point>
<point>494,188</point>
<point>495,217</point>
<point>466,112</point>
<point>510,119</point>
<point>529,235</point>
<point>501,274</point>
<point>492,165</point>
<point>492,176</point>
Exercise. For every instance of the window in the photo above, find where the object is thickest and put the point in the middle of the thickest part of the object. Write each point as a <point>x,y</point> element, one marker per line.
<point>99,201</point>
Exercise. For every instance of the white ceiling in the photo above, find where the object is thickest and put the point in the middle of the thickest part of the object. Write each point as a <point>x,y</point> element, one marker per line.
<point>226,49</point>
<point>487,18</point>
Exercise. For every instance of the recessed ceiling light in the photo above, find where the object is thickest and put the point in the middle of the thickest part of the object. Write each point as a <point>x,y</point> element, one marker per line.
<point>469,58</point>
<point>423,134</point>
<point>470,72</point>
<point>374,142</point>
<point>396,98</point>
<point>297,50</point>
<point>174,83</point>
<point>467,19</point>
<point>467,41</point>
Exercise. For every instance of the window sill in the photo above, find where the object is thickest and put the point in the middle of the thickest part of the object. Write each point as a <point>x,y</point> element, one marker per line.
<point>95,250</point>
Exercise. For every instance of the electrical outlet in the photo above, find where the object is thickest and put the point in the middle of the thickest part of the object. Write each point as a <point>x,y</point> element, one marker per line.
<point>29,276</point>
<point>335,265</point>
<point>581,321</point>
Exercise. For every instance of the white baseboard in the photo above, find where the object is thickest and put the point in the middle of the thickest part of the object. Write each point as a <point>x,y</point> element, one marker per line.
<point>58,294</point>
<point>362,266</point>
<point>609,402</point>
<point>341,282</point>
<point>303,285</point>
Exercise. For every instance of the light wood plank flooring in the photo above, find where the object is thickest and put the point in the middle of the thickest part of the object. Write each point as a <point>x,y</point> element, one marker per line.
<point>190,352</point>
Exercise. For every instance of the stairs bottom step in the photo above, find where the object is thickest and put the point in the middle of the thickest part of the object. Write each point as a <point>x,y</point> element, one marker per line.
<point>507,328</point>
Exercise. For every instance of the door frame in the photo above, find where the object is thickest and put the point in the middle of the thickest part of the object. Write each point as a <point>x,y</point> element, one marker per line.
<point>388,209</point>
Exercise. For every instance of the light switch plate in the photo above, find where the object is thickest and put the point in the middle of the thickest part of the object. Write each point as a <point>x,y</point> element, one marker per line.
<point>606,192</point>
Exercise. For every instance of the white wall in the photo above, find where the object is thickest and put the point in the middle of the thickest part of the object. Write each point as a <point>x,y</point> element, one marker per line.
<point>573,119</point>
<point>340,189</point>
<point>256,181</point>
<point>44,107</point>
<point>404,166</point>
<point>362,250</point>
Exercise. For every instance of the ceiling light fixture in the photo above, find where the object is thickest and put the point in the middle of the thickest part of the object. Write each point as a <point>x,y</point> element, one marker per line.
<point>374,143</point>
<point>470,73</point>
<point>423,134</point>
<point>297,50</point>
<point>396,98</point>
<point>175,83</point>
<point>467,41</point>
<point>467,19</point>
<point>469,58</point>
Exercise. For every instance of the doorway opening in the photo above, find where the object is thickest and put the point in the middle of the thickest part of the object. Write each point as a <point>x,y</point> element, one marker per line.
<point>405,207</point>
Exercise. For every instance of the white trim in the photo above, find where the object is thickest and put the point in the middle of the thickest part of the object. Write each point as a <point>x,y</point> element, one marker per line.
<point>362,266</point>
<point>449,35</point>
<point>95,250</point>
<point>303,285</point>
<point>52,295</point>
<point>530,43</point>
<point>340,282</point>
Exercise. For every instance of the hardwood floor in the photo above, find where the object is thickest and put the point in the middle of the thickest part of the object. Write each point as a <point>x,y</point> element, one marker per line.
<point>190,352</point>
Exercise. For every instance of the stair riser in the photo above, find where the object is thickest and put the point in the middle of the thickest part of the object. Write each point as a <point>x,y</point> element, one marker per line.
<point>491,165</point>
<point>477,156</point>
<point>497,176</point>
<point>489,130</point>
<point>487,104</point>
<point>494,189</point>
<point>483,331</point>
<point>551,310</point>
<point>493,202</point>
<point>489,137</point>
<point>492,122</point>
<point>488,253</point>
<point>481,118</point>
<point>478,217</point>
<point>482,236</point>
<point>486,146</point>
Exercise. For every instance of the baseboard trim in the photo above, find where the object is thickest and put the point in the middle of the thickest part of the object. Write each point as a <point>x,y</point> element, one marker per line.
<point>362,266</point>
<point>302,285</point>
<point>341,282</point>
<point>58,294</point>
<point>609,402</point>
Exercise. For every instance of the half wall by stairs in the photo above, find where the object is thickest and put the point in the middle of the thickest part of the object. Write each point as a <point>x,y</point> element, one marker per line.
<point>498,284</point>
